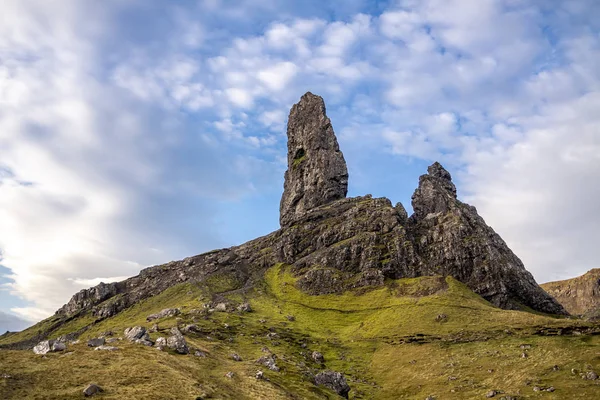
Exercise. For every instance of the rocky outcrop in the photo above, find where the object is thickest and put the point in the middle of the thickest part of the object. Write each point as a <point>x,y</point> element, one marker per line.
<point>317,172</point>
<point>579,296</point>
<point>334,243</point>
<point>334,381</point>
<point>452,239</point>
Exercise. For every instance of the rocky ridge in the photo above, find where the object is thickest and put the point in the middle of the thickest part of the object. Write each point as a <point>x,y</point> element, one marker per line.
<point>334,243</point>
<point>580,295</point>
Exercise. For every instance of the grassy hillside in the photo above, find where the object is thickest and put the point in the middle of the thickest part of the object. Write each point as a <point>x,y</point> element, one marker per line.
<point>413,338</point>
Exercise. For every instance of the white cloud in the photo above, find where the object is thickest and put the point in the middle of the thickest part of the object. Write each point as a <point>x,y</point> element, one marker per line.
<point>12,323</point>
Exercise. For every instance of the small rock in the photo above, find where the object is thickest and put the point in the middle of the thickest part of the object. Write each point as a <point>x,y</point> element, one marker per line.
<point>269,362</point>
<point>161,343</point>
<point>191,328</point>
<point>491,393</point>
<point>574,371</point>
<point>591,376</point>
<point>555,368</point>
<point>236,357</point>
<point>525,346</point>
<point>537,389</point>
<point>154,328</point>
<point>167,312</point>
<point>524,355</point>
<point>262,321</point>
<point>6,376</point>
<point>107,348</point>
<point>317,357</point>
<point>96,342</point>
<point>334,381</point>
<point>230,375</point>
<point>429,398</point>
<point>244,307</point>
<point>91,390</point>
<point>452,378</point>
<point>550,389</point>
<point>199,353</point>
<point>144,342</point>
<point>112,340</point>
<point>106,333</point>
<point>260,374</point>
<point>290,318</point>
<point>221,307</point>
<point>441,318</point>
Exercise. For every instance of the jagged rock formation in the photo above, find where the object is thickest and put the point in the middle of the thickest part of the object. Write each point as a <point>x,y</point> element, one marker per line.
<point>334,243</point>
<point>317,172</point>
<point>579,296</point>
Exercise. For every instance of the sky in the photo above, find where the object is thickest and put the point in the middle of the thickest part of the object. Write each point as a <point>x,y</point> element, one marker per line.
<point>133,133</point>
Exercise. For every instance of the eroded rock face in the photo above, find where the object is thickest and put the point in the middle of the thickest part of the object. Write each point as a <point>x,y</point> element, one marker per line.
<point>452,239</point>
<point>317,172</point>
<point>579,296</point>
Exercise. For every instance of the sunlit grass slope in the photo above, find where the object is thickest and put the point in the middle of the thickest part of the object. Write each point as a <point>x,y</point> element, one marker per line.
<point>410,339</point>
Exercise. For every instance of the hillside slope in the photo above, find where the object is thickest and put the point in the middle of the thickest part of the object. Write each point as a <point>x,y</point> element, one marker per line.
<point>409,338</point>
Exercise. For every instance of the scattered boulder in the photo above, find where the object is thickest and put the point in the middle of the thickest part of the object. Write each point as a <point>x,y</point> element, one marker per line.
<point>96,342</point>
<point>269,362</point>
<point>244,307</point>
<point>334,381</point>
<point>137,332</point>
<point>91,390</point>
<point>221,307</point>
<point>290,318</point>
<point>145,342</point>
<point>317,357</point>
<point>191,328</point>
<point>199,353</point>
<point>591,376</point>
<point>106,348</point>
<point>230,374</point>
<point>491,393</point>
<point>441,318</point>
<point>525,346</point>
<point>167,312</point>
<point>47,346</point>
<point>59,346</point>
<point>260,374</point>
<point>177,342</point>
<point>236,357</point>
<point>161,343</point>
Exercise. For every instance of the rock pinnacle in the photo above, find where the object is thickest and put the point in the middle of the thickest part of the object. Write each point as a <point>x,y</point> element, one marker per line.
<point>317,172</point>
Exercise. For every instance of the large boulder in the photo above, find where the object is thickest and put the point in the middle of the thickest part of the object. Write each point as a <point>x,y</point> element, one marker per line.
<point>47,346</point>
<point>177,342</point>
<point>334,381</point>
<point>136,333</point>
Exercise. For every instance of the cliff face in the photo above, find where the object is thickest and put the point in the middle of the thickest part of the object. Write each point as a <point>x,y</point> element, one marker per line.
<point>579,296</point>
<point>334,243</point>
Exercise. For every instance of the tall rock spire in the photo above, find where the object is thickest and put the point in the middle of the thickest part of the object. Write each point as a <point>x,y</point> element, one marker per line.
<point>317,172</point>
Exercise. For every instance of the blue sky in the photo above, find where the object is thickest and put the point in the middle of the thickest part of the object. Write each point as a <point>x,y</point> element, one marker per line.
<point>133,133</point>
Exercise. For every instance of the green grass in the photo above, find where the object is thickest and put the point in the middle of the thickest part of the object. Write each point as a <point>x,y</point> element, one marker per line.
<point>386,341</point>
